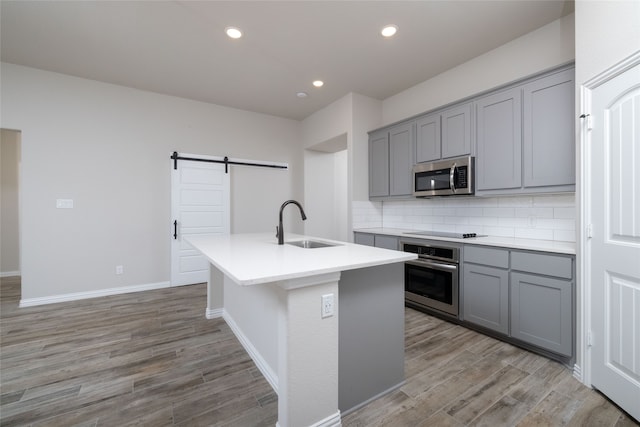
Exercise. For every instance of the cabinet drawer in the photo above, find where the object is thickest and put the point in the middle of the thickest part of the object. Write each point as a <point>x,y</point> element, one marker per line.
<point>364,239</point>
<point>386,242</point>
<point>549,265</point>
<point>486,256</point>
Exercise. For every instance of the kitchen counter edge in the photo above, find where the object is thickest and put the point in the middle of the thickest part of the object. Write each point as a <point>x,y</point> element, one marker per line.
<point>567,248</point>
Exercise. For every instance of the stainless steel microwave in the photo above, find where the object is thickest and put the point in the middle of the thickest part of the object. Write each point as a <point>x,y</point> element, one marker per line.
<point>450,177</point>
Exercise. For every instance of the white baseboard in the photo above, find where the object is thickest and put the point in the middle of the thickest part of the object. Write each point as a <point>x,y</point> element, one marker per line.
<point>213,313</point>
<point>267,372</point>
<point>371,399</point>
<point>30,302</point>
<point>9,273</point>
<point>333,420</point>
<point>577,372</point>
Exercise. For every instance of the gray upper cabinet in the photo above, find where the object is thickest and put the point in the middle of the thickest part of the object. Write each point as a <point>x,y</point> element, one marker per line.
<point>456,131</point>
<point>548,136</point>
<point>522,137</point>
<point>379,164</point>
<point>444,134</point>
<point>401,159</point>
<point>499,141</point>
<point>428,138</point>
<point>525,137</point>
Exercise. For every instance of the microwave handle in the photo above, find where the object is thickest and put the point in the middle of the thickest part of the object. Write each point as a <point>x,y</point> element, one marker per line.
<point>452,172</point>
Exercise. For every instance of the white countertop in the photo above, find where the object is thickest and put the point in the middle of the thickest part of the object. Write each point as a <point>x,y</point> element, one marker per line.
<point>504,242</point>
<point>250,259</point>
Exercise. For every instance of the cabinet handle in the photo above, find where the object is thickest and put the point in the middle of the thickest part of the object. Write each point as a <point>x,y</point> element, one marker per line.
<point>175,229</point>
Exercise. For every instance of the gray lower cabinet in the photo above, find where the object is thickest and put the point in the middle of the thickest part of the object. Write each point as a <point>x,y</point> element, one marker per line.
<point>386,242</point>
<point>378,240</point>
<point>542,312</point>
<point>364,239</point>
<point>525,295</point>
<point>486,297</point>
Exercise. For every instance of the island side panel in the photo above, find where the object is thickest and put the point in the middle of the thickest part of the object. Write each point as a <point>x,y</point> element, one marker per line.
<point>252,313</point>
<point>371,331</point>
<point>215,293</point>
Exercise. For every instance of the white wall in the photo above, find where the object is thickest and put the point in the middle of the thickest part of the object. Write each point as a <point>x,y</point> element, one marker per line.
<point>539,50</point>
<point>350,117</point>
<point>606,33</point>
<point>107,147</point>
<point>9,203</point>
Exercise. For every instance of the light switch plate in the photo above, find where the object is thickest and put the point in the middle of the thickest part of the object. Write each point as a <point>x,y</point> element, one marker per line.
<point>64,203</point>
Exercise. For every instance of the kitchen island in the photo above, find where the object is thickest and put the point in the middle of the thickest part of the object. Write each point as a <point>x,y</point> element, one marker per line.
<point>325,325</point>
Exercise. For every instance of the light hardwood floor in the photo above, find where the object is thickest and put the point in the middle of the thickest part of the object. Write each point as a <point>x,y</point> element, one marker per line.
<point>151,358</point>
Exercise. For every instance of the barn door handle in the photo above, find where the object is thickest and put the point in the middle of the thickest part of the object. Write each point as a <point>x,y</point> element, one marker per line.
<point>175,229</point>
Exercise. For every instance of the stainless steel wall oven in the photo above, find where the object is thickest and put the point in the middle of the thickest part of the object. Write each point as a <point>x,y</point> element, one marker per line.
<point>432,281</point>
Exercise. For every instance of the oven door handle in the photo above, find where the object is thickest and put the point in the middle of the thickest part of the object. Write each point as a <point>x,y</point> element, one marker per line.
<point>434,265</point>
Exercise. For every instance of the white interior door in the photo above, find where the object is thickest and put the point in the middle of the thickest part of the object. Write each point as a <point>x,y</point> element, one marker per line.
<point>199,205</point>
<point>614,209</point>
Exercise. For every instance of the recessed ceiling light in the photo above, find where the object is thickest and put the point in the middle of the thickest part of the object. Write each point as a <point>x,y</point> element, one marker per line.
<point>301,94</point>
<point>389,30</point>
<point>233,32</point>
<point>318,83</point>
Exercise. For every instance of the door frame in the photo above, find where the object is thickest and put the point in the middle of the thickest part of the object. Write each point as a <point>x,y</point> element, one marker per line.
<point>583,367</point>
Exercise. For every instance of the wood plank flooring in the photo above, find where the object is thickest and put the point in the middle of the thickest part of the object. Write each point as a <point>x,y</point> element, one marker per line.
<point>151,358</point>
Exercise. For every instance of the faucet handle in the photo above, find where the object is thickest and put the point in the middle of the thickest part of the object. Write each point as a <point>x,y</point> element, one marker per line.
<point>277,231</point>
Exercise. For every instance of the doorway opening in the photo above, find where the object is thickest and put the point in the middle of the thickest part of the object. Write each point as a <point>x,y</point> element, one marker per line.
<point>10,149</point>
<point>326,189</point>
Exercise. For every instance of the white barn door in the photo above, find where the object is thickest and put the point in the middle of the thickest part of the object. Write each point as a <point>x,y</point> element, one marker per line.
<point>200,204</point>
<point>614,209</point>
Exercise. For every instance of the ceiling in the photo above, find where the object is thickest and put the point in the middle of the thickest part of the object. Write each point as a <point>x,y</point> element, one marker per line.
<point>179,47</point>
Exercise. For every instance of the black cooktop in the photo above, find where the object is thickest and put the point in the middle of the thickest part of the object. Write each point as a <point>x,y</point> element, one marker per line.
<point>451,234</point>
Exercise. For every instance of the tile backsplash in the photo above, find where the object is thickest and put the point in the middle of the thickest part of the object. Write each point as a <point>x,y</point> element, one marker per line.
<point>546,217</point>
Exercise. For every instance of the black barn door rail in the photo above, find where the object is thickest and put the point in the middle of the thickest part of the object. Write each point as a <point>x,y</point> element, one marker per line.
<point>175,157</point>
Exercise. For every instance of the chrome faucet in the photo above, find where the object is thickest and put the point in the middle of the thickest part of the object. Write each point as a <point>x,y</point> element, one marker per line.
<point>279,230</point>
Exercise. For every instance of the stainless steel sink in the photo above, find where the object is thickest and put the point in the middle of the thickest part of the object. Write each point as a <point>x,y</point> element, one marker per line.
<point>311,244</point>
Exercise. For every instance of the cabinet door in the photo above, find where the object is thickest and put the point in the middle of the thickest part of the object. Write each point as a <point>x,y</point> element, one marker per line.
<point>486,297</point>
<point>364,239</point>
<point>499,141</point>
<point>401,148</point>
<point>548,138</point>
<point>456,131</point>
<point>542,312</point>
<point>386,242</point>
<point>428,138</point>
<point>379,164</point>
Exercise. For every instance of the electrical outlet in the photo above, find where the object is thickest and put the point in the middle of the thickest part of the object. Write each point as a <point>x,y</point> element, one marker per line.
<point>532,222</point>
<point>119,269</point>
<point>327,305</point>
